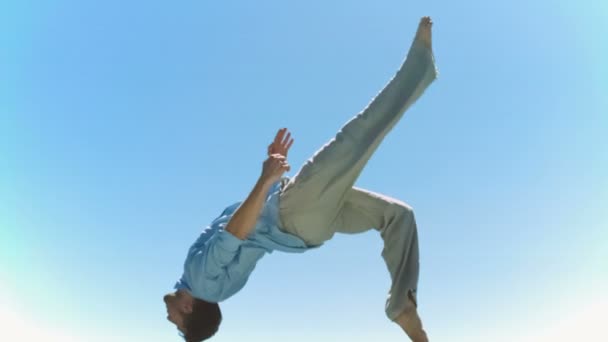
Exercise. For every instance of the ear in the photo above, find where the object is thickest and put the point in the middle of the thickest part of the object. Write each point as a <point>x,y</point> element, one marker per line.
<point>187,308</point>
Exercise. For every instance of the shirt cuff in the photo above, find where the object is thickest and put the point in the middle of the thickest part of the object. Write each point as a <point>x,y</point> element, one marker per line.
<point>228,241</point>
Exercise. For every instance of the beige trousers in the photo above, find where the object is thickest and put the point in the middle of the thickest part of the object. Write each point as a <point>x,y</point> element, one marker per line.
<point>320,199</point>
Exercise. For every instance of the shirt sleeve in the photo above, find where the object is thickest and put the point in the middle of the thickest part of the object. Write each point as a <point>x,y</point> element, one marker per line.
<point>221,251</point>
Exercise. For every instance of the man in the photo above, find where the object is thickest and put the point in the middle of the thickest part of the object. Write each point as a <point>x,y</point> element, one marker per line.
<point>295,215</point>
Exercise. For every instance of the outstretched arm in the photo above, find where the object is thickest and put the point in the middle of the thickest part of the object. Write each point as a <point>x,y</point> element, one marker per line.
<point>245,217</point>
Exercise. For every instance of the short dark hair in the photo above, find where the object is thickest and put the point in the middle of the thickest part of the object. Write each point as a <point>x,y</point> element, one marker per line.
<point>203,322</point>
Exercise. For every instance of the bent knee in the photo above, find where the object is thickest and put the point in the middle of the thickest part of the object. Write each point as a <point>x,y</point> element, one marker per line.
<point>402,209</point>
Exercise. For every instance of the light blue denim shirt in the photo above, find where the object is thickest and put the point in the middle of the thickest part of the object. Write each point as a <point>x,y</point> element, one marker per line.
<point>218,264</point>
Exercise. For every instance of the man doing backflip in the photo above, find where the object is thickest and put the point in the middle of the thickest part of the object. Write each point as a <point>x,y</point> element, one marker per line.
<point>298,214</point>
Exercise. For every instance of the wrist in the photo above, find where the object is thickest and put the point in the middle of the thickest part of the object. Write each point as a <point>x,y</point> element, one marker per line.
<point>265,183</point>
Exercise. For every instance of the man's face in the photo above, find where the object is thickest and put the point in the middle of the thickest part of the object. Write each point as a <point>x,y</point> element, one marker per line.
<point>175,310</point>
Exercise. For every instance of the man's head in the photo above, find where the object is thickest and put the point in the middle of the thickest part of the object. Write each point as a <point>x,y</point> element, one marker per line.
<point>197,319</point>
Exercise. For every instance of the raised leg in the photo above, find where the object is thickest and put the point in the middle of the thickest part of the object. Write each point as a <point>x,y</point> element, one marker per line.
<point>311,200</point>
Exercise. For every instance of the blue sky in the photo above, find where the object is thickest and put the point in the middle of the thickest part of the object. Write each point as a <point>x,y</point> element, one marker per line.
<point>125,128</point>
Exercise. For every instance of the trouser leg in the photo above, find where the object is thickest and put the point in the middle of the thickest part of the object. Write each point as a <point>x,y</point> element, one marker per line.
<point>311,200</point>
<point>363,210</point>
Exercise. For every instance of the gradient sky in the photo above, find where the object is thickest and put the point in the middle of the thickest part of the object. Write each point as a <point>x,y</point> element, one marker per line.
<point>126,127</point>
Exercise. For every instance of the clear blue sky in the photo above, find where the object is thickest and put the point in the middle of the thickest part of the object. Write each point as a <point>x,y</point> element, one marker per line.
<point>126,127</point>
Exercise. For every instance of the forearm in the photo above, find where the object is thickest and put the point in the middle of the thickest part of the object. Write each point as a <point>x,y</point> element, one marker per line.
<point>245,217</point>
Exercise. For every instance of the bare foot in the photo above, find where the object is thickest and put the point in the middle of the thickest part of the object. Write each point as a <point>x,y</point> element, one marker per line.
<point>410,322</point>
<point>424,31</point>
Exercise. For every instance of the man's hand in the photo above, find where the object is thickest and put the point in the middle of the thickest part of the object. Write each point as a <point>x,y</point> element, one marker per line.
<point>281,143</point>
<point>245,217</point>
<point>273,168</point>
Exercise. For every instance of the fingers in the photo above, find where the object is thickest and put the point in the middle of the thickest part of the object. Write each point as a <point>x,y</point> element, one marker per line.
<point>282,161</point>
<point>289,145</point>
<point>285,166</point>
<point>287,142</point>
<point>274,167</point>
<point>279,137</point>
<point>280,158</point>
<point>282,142</point>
